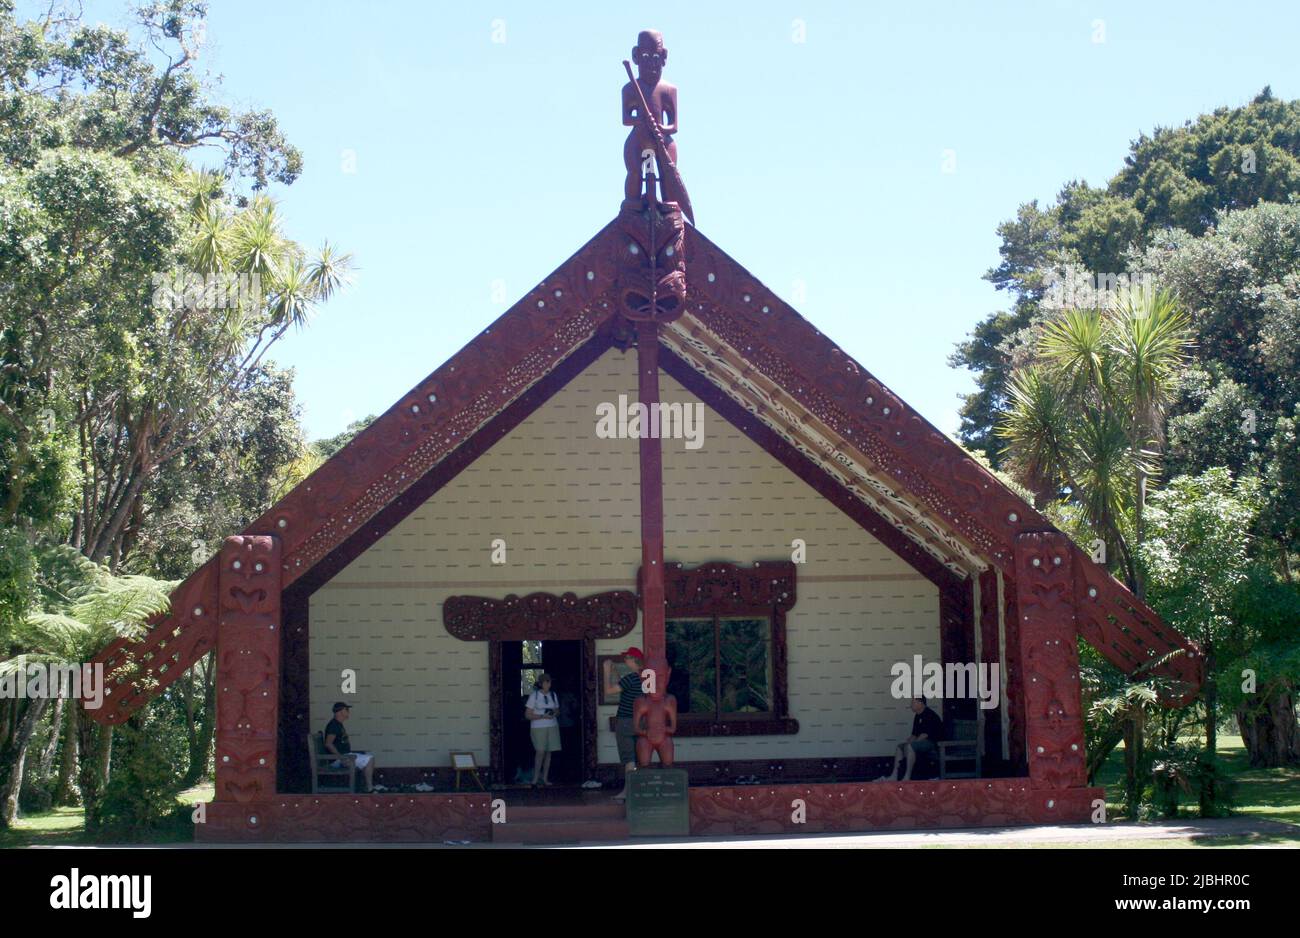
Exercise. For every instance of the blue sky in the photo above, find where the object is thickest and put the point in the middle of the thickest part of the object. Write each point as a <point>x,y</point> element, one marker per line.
<point>453,165</point>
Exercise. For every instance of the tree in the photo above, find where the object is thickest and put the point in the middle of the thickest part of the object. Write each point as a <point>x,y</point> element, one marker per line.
<point>72,630</point>
<point>1176,178</point>
<point>1197,560</point>
<point>1087,419</point>
<point>140,298</point>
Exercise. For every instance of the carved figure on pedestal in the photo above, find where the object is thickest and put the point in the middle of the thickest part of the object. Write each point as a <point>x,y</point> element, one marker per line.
<point>654,716</point>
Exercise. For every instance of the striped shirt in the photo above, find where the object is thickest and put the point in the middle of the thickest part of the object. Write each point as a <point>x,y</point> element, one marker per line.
<point>629,690</point>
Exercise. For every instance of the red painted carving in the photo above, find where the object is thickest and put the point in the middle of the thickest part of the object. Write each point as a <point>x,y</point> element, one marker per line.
<point>293,771</point>
<point>1015,676</point>
<point>956,643</point>
<point>349,818</point>
<point>651,269</point>
<point>1050,658</point>
<point>496,712</point>
<point>176,641</point>
<point>728,589</point>
<point>804,809</point>
<point>248,669</point>
<point>651,578</point>
<point>540,616</point>
<point>1131,635</point>
<point>655,717</point>
<point>650,109</point>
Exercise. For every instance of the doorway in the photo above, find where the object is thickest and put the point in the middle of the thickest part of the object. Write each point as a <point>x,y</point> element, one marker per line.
<point>522,663</point>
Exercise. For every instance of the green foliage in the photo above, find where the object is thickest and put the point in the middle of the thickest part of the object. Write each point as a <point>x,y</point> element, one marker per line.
<point>1197,554</point>
<point>1184,771</point>
<point>1086,419</point>
<point>1241,284</point>
<point>1172,185</point>
<point>140,797</point>
<point>1280,517</point>
<point>328,447</point>
<point>80,625</point>
<point>110,376</point>
<point>17,582</point>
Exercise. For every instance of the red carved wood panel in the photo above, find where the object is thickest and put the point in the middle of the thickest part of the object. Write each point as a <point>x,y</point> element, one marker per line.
<point>1130,634</point>
<point>540,616</point>
<point>496,712</point>
<point>1016,677</point>
<point>989,656</point>
<point>1050,657</point>
<point>956,644</point>
<point>729,589</point>
<point>350,819</point>
<point>855,806</point>
<point>293,769</point>
<point>175,642</point>
<point>248,669</point>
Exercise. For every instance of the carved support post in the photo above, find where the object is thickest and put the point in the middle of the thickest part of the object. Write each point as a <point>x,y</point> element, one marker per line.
<point>1049,659</point>
<point>652,498</point>
<point>248,668</point>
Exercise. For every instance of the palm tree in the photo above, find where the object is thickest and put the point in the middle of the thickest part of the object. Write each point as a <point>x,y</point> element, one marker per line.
<point>1086,420</point>
<point>75,629</point>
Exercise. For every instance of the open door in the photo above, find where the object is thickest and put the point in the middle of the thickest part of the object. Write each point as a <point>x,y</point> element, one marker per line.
<point>521,664</point>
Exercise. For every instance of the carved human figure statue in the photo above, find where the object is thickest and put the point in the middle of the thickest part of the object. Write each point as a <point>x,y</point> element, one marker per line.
<point>654,716</point>
<point>649,56</point>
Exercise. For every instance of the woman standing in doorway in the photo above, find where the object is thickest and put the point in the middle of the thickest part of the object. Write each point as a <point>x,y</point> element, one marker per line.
<point>541,709</point>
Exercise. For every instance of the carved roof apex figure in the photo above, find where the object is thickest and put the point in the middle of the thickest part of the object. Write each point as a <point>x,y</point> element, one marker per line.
<point>650,52</point>
<point>650,110</point>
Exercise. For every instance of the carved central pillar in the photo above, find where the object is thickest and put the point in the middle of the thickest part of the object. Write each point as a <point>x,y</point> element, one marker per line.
<point>248,668</point>
<point>652,498</point>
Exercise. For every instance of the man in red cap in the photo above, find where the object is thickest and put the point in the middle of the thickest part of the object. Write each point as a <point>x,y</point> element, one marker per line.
<point>628,688</point>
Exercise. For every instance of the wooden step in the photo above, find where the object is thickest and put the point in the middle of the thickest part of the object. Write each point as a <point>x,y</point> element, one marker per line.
<point>609,808</point>
<point>559,830</point>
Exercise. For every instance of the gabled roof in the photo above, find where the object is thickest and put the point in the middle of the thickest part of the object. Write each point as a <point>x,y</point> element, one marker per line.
<point>735,333</point>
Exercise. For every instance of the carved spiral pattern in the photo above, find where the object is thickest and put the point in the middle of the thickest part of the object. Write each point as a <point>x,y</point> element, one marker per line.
<point>540,615</point>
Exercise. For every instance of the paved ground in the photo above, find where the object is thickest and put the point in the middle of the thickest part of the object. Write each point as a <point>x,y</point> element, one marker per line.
<point>1074,835</point>
<point>1227,832</point>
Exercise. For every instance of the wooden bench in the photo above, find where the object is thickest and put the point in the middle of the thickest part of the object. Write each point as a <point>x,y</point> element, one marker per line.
<point>963,749</point>
<point>322,766</point>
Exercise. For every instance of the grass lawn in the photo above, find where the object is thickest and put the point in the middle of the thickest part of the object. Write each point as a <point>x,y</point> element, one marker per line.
<point>64,826</point>
<point>1267,794</point>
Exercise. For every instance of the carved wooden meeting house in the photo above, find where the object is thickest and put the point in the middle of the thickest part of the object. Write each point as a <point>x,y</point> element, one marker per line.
<point>790,532</point>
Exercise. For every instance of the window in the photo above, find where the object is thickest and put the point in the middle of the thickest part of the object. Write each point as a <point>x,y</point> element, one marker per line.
<point>531,667</point>
<point>722,666</point>
<point>724,634</point>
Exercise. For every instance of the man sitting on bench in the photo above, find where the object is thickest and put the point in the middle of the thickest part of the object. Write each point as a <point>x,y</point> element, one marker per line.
<point>336,742</point>
<point>927,729</point>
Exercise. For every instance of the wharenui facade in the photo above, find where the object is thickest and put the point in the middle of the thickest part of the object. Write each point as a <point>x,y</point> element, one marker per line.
<point>650,449</point>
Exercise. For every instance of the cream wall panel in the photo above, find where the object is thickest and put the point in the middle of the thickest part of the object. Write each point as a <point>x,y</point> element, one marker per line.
<point>567,505</point>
